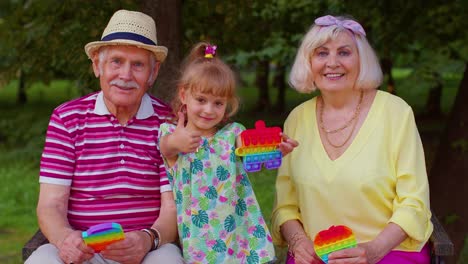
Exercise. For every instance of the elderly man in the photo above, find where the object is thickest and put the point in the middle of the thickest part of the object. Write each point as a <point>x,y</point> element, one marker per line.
<point>101,162</point>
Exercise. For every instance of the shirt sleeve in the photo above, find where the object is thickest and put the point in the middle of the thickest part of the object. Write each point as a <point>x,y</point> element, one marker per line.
<point>165,129</point>
<point>411,209</point>
<point>58,157</point>
<point>286,205</point>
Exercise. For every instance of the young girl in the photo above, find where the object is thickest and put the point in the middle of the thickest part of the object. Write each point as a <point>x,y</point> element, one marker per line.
<point>218,216</point>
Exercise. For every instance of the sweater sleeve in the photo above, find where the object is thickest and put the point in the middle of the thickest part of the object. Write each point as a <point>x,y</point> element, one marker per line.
<point>411,210</point>
<point>286,204</point>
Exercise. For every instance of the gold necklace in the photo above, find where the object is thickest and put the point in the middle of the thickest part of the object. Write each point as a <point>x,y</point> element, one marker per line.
<point>357,111</point>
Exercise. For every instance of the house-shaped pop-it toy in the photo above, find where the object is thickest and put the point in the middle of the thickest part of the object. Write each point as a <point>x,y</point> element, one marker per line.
<point>259,146</point>
<point>333,239</point>
<point>100,236</point>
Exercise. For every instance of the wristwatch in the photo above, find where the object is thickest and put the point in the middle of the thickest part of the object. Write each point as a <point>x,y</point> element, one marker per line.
<point>156,235</point>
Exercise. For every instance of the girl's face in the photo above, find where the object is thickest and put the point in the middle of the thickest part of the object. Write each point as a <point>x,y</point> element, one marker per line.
<point>204,111</point>
<point>335,65</point>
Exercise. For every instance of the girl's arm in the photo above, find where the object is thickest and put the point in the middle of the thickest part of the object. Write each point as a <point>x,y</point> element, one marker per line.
<point>287,145</point>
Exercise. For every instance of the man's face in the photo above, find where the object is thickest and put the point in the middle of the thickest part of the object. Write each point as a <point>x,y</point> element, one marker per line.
<point>124,74</point>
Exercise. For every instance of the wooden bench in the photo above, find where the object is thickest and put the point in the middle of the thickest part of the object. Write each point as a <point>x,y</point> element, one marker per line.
<point>441,245</point>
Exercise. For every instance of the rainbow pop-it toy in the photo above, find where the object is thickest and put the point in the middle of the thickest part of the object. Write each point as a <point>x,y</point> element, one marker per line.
<point>100,236</point>
<point>333,239</point>
<point>259,146</point>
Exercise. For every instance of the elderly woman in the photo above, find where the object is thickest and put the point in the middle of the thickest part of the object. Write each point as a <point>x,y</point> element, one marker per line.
<point>360,162</point>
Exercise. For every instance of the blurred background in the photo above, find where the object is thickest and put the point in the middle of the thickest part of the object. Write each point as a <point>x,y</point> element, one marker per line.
<point>422,45</point>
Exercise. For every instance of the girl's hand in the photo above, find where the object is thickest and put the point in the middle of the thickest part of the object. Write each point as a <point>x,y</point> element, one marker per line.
<point>183,139</point>
<point>288,145</point>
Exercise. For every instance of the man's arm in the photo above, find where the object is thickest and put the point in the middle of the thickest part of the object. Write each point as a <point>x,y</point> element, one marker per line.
<point>52,211</point>
<point>166,222</point>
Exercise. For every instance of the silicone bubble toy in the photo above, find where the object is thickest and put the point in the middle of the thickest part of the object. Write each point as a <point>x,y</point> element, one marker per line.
<point>333,239</point>
<point>100,236</point>
<point>259,146</point>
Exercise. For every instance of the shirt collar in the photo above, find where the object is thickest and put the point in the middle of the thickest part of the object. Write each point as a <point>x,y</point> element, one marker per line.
<point>144,111</point>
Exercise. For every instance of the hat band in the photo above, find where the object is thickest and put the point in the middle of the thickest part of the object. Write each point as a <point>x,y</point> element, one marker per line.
<point>129,36</point>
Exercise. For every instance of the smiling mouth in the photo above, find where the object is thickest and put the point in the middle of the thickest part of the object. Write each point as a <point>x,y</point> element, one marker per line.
<point>334,75</point>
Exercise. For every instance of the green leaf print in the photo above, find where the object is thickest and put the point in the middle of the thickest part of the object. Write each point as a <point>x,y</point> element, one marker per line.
<point>211,256</point>
<point>220,246</point>
<point>244,181</point>
<point>185,176</point>
<point>211,193</point>
<point>215,222</point>
<point>203,202</point>
<point>229,223</point>
<point>253,242</point>
<point>232,158</point>
<point>196,166</point>
<point>222,173</point>
<point>185,231</point>
<point>240,207</point>
<point>253,258</point>
<point>169,176</point>
<point>259,231</point>
<point>200,219</point>
<point>178,199</point>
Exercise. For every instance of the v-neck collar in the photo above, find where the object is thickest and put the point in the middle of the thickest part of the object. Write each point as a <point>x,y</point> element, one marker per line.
<point>359,140</point>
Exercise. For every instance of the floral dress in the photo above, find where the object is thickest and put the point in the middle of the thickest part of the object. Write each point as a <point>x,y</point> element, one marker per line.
<point>218,216</point>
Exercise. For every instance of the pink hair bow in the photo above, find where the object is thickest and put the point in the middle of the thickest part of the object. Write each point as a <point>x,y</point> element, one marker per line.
<point>210,51</point>
<point>352,25</point>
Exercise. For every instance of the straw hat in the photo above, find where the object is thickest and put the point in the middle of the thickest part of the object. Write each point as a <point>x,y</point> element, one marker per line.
<point>129,28</point>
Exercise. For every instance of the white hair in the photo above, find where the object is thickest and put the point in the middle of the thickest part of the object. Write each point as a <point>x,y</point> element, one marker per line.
<point>301,77</point>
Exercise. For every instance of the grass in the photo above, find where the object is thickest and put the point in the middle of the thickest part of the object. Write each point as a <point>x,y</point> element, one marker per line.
<point>22,130</point>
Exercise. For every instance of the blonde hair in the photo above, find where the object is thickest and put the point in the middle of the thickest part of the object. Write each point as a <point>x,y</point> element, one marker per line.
<point>207,75</point>
<point>301,77</point>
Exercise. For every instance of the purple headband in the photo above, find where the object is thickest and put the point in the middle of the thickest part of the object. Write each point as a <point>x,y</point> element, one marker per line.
<point>352,25</point>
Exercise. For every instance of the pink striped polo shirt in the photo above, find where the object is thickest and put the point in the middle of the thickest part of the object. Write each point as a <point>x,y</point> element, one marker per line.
<point>115,171</point>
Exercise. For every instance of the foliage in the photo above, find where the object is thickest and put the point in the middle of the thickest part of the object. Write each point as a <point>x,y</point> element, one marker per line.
<point>45,38</point>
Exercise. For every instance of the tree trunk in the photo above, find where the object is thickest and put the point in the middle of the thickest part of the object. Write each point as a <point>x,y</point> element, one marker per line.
<point>387,66</point>
<point>261,80</point>
<point>448,177</point>
<point>433,101</point>
<point>168,15</point>
<point>280,84</point>
<point>21,97</point>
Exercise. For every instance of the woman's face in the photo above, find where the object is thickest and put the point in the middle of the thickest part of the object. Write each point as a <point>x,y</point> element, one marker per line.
<point>335,64</point>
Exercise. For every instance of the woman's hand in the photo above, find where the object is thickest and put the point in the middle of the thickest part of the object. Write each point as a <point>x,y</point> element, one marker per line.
<point>303,252</point>
<point>287,145</point>
<point>365,253</point>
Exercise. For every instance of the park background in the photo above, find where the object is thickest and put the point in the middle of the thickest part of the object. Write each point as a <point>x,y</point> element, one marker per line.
<point>422,44</point>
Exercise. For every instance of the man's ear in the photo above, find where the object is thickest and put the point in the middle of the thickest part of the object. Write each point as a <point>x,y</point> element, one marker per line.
<point>95,60</point>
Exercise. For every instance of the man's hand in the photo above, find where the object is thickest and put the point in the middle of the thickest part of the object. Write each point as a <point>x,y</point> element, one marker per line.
<point>132,249</point>
<point>73,249</point>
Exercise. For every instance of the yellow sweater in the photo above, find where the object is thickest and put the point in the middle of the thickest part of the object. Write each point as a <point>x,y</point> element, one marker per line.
<point>380,178</point>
